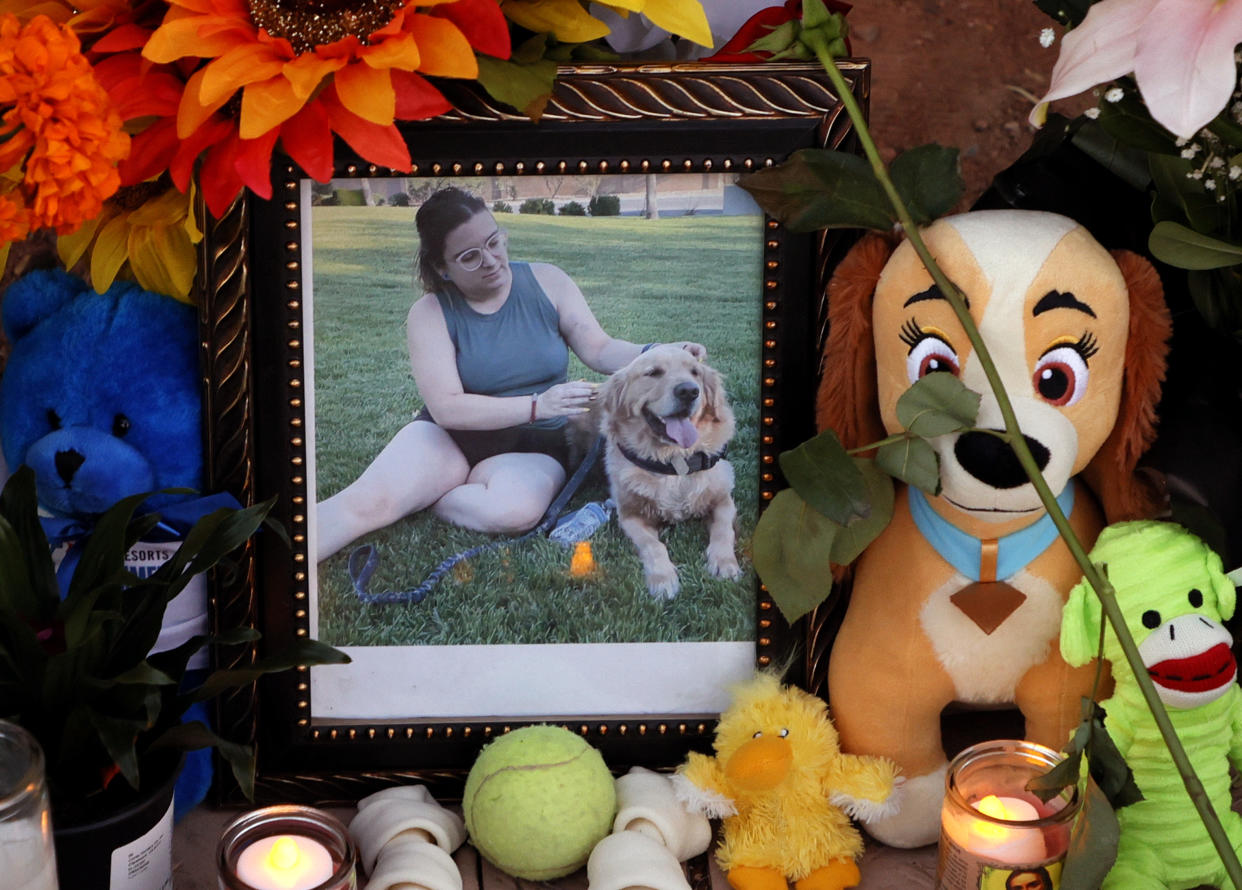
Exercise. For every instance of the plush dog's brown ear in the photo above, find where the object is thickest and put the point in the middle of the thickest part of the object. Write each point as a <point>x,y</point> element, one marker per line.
<point>1122,492</point>
<point>846,402</point>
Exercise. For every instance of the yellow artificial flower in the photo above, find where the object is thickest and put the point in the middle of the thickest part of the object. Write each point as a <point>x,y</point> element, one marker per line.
<point>152,230</point>
<point>569,21</point>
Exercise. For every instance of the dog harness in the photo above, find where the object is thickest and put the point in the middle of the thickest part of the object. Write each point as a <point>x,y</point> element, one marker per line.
<point>988,601</point>
<point>678,466</point>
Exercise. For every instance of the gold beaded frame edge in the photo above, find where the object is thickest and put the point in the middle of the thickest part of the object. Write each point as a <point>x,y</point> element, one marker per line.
<point>301,760</point>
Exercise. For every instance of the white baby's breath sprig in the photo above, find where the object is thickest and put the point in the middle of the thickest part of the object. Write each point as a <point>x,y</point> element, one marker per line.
<point>1047,37</point>
<point>1116,94</point>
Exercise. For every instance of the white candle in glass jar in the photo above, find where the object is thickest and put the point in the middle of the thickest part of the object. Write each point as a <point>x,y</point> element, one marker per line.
<point>1006,844</point>
<point>285,862</point>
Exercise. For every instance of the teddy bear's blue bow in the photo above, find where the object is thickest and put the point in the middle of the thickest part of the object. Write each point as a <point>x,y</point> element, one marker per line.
<point>175,521</point>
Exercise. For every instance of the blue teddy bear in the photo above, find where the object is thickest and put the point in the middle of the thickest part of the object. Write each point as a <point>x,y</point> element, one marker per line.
<point>100,394</point>
<point>100,397</point>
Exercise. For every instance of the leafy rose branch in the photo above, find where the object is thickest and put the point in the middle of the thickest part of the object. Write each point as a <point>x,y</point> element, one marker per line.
<point>821,189</point>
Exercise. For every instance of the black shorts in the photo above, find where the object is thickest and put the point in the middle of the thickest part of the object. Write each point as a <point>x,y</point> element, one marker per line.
<point>479,445</point>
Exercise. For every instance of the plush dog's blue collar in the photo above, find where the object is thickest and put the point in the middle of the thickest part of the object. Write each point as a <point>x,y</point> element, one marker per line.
<point>963,551</point>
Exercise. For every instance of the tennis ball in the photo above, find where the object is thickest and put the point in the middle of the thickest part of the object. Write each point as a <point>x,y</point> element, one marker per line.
<point>537,801</point>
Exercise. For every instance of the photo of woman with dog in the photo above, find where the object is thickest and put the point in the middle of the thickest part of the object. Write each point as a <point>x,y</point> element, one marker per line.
<point>437,424</point>
<point>489,346</point>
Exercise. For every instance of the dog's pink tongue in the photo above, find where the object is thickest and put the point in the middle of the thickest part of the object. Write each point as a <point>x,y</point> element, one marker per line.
<point>681,431</point>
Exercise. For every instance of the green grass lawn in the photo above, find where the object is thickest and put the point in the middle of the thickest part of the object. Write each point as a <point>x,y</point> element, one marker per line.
<point>694,278</point>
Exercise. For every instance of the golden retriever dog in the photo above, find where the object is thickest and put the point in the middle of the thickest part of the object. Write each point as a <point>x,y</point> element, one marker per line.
<point>666,422</point>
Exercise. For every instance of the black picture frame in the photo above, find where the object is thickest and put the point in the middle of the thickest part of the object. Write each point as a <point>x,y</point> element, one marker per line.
<point>634,118</point>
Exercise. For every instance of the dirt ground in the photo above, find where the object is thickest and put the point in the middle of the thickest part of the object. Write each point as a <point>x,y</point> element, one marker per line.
<point>956,72</point>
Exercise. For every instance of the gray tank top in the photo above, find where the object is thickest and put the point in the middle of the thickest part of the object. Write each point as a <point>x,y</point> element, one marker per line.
<point>517,350</point>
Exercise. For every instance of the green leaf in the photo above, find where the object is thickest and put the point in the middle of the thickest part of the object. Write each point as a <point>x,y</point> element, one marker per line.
<point>1228,130</point>
<point>524,86</point>
<point>194,734</point>
<point>302,652</point>
<point>779,38</point>
<point>103,553</point>
<point>39,591</point>
<point>119,736</point>
<point>1185,248</point>
<point>814,13</point>
<point>792,551</point>
<point>1217,294</point>
<point>1108,768</point>
<point>144,673</point>
<point>1123,161</point>
<point>1064,775</point>
<point>936,405</point>
<point>1129,122</point>
<point>913,461</point>
<point>1197,205</point>
<point>929,180</point>
<point>821,189</point>
<point>173,661</point>
<point>852,539</point>
<point>826,477</point>
<point>1093,843</point>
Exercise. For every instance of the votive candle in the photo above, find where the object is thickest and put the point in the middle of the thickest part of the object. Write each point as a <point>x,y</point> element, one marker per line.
<point>286,847</point>
<point>993,831</point>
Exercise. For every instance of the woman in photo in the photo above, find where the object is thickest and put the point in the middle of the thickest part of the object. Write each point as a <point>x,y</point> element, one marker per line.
<point>489,347</point>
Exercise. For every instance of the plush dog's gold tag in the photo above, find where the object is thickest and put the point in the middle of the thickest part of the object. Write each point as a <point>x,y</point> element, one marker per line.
<point>988,603</point>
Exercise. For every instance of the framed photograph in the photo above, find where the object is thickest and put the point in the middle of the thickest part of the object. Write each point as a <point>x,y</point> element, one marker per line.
<point>372,346</point>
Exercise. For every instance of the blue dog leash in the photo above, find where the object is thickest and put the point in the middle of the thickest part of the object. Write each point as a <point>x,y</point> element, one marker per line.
<point>364,559</point>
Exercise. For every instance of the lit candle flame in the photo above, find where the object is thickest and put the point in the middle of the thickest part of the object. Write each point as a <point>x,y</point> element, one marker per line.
<point>583,562</point>
<point>284,854</point>
<point>1009,809</point>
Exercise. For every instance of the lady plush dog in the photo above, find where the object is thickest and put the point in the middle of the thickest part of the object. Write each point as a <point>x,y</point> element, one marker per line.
<point>666,422</point>
<point>1174,596</point>
<point>959,599</point>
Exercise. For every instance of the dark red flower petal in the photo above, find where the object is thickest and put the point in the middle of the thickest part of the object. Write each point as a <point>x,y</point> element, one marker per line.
<point>482,22</point>
<point>377,144</point>
<point>417,99</point>
<point>761,24</point>
<point>150,152</point>
<point>253,162</point>
<point>307,139</point>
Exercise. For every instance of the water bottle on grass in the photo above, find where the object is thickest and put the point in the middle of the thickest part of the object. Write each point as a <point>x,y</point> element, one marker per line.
<point>582,523</point>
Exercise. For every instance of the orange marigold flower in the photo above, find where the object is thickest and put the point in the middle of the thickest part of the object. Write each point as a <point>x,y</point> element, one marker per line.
<point>14,217</point>
<point>65,135</point>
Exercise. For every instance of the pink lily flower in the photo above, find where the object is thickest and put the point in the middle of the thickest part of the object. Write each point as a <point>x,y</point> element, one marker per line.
<point>1180,52</point>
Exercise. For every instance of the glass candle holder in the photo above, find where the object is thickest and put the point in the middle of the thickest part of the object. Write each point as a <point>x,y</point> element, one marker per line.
<point>286,847</point>
<point>996,835</point>
<point>27,857</point>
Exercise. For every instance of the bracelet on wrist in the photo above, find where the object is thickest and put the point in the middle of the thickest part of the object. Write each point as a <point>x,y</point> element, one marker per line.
<point>648,346</point>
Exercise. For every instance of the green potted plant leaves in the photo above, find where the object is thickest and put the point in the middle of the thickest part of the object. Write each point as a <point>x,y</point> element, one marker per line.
<point>79,673</point>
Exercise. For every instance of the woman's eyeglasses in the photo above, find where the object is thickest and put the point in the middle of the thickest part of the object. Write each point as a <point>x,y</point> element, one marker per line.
<point>472,258</point>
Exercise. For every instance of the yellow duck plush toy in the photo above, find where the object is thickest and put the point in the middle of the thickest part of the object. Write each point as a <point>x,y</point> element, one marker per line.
<point>784,791</point>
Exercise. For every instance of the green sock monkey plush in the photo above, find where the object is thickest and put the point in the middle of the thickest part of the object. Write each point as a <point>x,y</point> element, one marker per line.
<point>1174,595</point>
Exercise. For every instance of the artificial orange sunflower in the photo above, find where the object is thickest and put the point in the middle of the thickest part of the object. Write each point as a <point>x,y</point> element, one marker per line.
<point>63,134</point>
<point>304,69</point>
